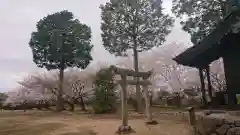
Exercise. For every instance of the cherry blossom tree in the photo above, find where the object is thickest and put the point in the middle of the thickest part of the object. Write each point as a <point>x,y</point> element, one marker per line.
<point>78,88</point>
<point>78,84</point>
<point>23,98</point>
<point>165,70</point>
<point>217,76</point>
<point>43,87</point>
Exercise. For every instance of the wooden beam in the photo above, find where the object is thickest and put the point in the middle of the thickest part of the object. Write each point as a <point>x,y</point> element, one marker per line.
<point>134,82</point>
<point>129,72</point>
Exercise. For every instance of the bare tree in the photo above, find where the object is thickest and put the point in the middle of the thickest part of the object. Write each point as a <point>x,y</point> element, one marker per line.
<point>79,89</point>
<point>75,88</point>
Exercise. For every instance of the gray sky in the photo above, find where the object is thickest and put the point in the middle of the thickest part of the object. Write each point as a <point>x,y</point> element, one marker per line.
<point>19,18</point>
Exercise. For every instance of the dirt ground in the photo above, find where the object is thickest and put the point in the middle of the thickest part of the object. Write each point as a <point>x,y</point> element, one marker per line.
<point>65,123</point>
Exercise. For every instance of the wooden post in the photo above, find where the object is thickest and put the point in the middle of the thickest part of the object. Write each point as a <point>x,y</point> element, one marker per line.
<point>148,106</point>
<point>202,87</point>
<point>192,118</point>
<point>147,103</point>
<point>209,82</point>
<point>124,128</point>
<point>124,102</point>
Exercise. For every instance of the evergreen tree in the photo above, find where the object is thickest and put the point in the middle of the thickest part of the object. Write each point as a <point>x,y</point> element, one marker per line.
<point>200,17</point>
<point>134,24</point>
<point>60,42</point>
<point>104,92</point>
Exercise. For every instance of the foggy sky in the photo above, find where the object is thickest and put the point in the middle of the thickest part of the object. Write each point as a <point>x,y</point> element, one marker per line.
<point>19,18</point>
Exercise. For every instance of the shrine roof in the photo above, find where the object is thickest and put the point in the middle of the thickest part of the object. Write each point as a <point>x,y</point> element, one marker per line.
<point>209,49</point>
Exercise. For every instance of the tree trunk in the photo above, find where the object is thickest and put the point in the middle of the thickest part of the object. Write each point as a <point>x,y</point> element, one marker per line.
<point>82,104</point>
<point>59,41</point>
<point>138,89</point>
<point>59,106</point>
<point>209,83</point>
<point>202,87</point>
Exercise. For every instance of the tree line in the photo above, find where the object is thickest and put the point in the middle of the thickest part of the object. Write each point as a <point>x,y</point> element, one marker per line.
<point>62,41</point>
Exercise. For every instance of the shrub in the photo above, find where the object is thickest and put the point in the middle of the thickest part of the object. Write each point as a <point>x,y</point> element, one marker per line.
<point>104,92</point>
<point>3,97</point>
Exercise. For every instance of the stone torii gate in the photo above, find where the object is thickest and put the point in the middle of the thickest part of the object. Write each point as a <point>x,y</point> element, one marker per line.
<point>124,73</point>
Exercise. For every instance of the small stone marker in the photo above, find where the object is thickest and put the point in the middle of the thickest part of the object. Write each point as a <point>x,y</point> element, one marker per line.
<point>192,118</point>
